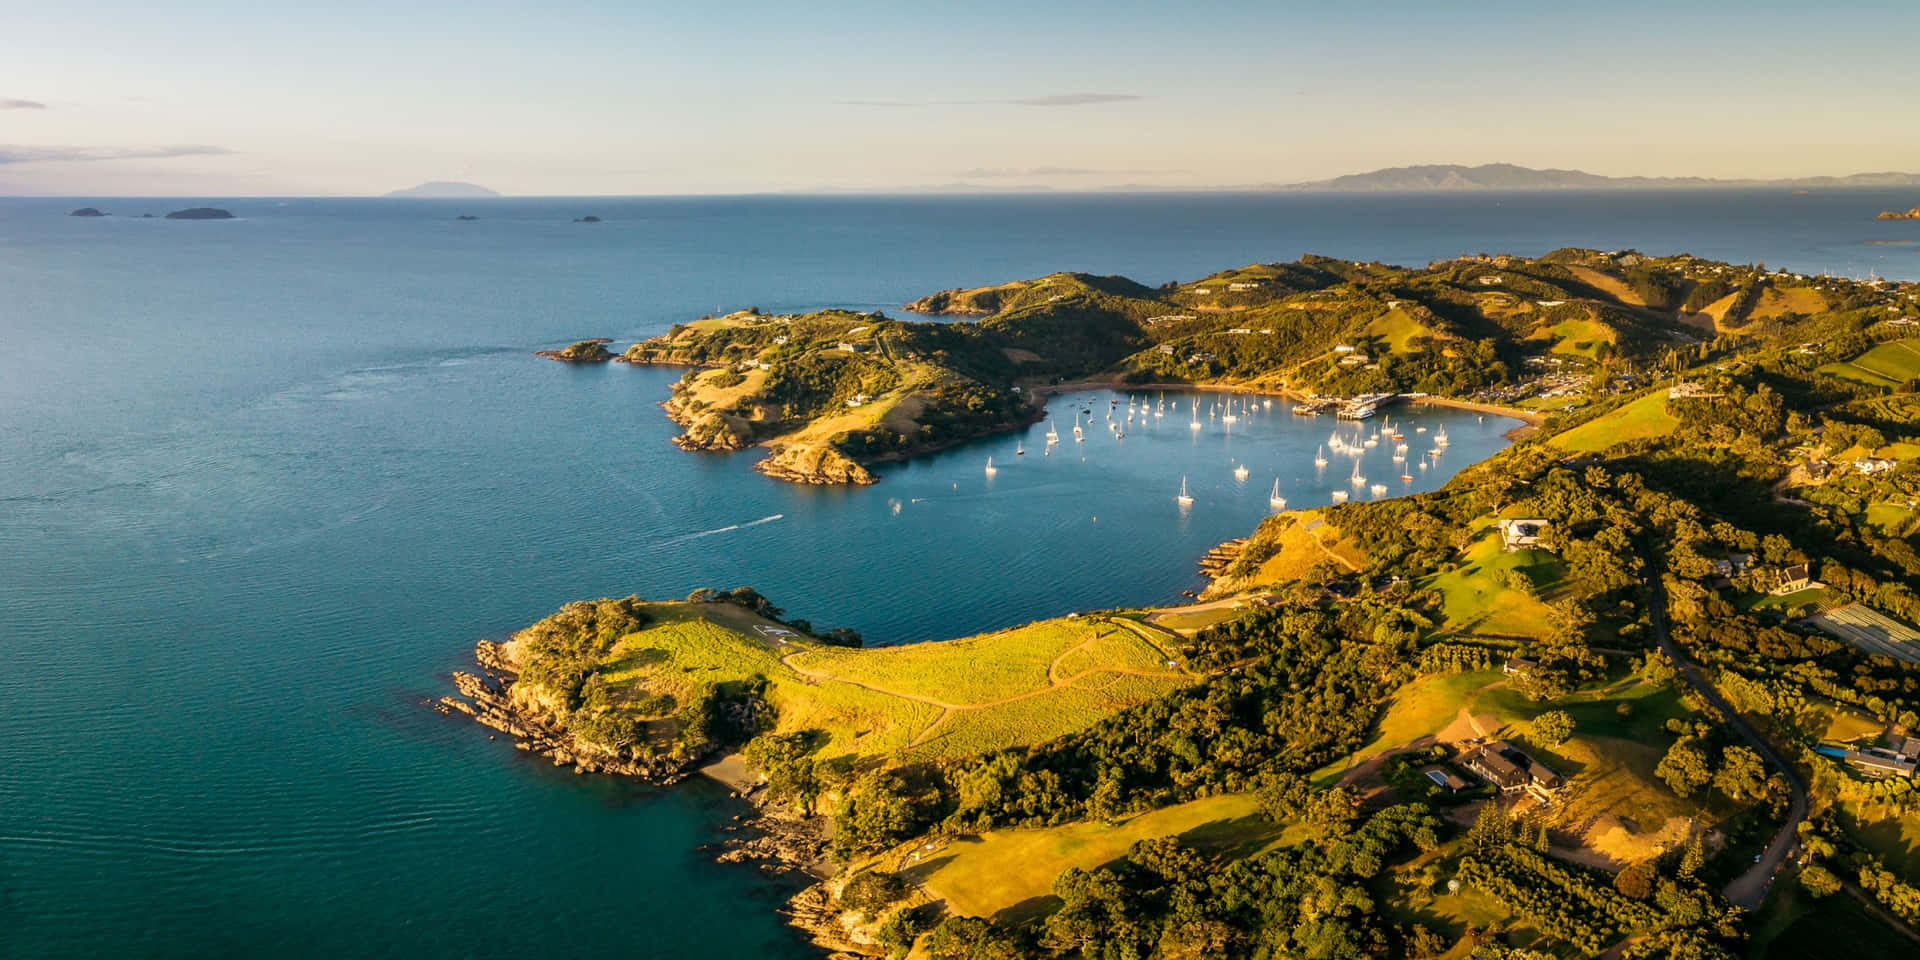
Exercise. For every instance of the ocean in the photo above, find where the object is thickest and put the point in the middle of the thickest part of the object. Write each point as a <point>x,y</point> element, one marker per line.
<point>264,481</point>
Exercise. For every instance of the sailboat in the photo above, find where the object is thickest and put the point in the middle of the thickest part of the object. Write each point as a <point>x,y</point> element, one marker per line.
<point>1229,417</point>
<point>1268,403</point>
<point>1195,424</point>
<point>991,469</point>
<point>1440,438</point>
<point>1183,499</point>
<point>1077,435</point>
<point>1378,489</point>
<point>1357,479</point>
<point>1019,449</point>
<point>1240,472</point>
<point>1319,458</point>
<point>1053,436</point>
<point>1339,496</point>
<point>1405,477</point>
<point>1274,499</point>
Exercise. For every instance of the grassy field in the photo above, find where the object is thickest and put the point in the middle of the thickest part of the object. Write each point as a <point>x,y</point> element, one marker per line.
<point>1008,688</point>
<point>1641,419</point>
<point>1581,338</point>
<point>1613,802</point>
<point>1832,928</point>
<point>1010,873</point>
<point>1420,709</point>
<point>1477,600</point>
<point>1891,837</point>
<point>1887,365</point>
<point>1397,329</point>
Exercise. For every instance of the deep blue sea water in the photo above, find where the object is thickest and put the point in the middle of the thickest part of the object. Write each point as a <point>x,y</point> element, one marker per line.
<point>264,481</point>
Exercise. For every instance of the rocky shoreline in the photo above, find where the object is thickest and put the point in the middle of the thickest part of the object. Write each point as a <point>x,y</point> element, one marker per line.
<point>776,838</point>
<point>486,697</point>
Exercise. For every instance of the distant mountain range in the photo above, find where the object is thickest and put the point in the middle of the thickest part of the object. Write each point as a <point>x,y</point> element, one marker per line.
<point>1507,176</point>
<point>445,190</point>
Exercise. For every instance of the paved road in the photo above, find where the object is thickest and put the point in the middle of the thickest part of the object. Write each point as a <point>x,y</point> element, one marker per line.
<point>1750,888</point>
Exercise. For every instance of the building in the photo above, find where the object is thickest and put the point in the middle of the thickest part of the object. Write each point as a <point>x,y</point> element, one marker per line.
<point>1509,768</point>
<point>1873,465</point>
<point>1521,534</point>
<point>1492,764</point>
<point>851,347</point>
<point>1518,665</point>
<point>1238,287</point>
<point>1791,579</point>
<point>1879,763</point>
<point>1446,779</point>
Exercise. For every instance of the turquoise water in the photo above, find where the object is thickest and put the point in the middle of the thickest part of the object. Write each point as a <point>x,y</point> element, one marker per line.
<point>263,482</point>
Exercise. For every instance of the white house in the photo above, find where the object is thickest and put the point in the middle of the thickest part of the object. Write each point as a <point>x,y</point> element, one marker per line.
<point>1521,534</point>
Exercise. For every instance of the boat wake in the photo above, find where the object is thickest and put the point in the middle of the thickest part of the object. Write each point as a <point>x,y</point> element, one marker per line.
<point>729,528</point>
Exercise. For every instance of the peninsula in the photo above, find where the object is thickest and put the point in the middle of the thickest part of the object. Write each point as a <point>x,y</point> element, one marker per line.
<point>1913,214</point>
<point>833,394</point>
<point>1644,684</point>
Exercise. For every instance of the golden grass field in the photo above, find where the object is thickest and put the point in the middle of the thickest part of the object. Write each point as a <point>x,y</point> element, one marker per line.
<point>1642,419</point>
<point>1009,688</point>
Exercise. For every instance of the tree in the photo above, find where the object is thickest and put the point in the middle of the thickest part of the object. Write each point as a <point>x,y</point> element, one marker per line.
<point>1685,767</point>
<point>1819,881</point>
<point>1553,727</point>
<point>1742,774</point>
<point>1636,881</point>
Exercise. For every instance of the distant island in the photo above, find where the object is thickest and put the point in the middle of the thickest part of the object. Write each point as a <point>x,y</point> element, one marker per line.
<point>200,213</point>
<point>444,190</point>
<point>93,212</point>
<point>588,219</point>
<point>1913,214</point>
<point>1507,176</point>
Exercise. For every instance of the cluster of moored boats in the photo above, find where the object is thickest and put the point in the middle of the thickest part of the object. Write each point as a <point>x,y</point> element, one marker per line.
<point>1229,411</point>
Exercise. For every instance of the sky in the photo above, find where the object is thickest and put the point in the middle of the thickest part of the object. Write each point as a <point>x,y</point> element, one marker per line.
<point>267,98</point>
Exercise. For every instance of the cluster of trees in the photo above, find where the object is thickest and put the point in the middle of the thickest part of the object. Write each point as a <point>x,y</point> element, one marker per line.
<point>1164,899</point>
<point>1677,913</point>
<point>563,651</point>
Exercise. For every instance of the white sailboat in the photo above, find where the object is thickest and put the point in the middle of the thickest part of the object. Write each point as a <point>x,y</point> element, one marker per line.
<point>1440,438</point>
<point>1183,499</point>
<point>1339,496</point>
<point>991,469</point>
<point>1053,436</point>
<point>1357,479</point>
<point>1019,449</point>
<point>1274,499</point>
<point>1240,472</point>
<point>1077,434</point>
<point>1320,457</point>
<point>1229,417</point>
<point>1378,489</point>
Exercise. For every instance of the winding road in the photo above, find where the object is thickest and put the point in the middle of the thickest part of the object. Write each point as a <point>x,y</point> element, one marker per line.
<point>1749,889</point>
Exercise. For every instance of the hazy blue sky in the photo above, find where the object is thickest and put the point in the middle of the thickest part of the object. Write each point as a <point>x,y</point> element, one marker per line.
<point>266,97</point>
